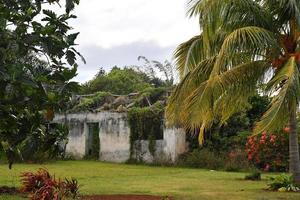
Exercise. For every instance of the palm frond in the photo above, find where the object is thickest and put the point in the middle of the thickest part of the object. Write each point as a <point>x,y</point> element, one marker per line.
<point>252,38</point>
<point>286,82</point>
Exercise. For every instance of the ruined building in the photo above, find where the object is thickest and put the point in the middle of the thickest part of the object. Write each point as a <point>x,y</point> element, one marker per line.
<point>102,130</point>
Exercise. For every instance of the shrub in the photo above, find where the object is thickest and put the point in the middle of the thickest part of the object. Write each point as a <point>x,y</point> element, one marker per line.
<point>254,176</point>
<point>201,158</point>
<point>45,144</point>
<point>42,186</point>
<point>235,160</point>
<point>268,151</point>
<point>283,183</point>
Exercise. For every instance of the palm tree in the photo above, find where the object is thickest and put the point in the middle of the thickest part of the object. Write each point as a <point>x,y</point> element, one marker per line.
<point>241,44</point>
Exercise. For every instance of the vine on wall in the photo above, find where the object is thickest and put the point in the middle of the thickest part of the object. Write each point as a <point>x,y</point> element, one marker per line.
<point>146,124</point>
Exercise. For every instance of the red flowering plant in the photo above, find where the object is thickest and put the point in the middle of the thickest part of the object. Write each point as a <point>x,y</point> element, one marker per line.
<point>269,151</point>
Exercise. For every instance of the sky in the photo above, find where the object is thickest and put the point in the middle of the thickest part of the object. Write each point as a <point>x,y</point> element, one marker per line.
<point>116,32</point>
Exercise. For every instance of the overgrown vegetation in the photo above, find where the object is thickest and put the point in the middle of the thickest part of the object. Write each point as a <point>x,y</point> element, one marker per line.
<point>224,146</point>
<point>92,102</point>
<point>146,124</point>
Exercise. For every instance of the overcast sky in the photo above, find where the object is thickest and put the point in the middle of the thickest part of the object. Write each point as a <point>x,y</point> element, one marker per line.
<point>116,32</point>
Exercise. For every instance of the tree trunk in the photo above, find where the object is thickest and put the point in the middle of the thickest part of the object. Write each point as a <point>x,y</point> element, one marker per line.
<point>294,148</point>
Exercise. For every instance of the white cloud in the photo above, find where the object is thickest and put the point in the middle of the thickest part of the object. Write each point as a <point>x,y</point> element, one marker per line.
<point>117,22</point>
<point>116,32</point>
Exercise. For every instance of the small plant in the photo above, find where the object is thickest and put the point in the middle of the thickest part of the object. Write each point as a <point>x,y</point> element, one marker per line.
<point>283,183</point>
<point>254,176</point>
<point>42,186</point>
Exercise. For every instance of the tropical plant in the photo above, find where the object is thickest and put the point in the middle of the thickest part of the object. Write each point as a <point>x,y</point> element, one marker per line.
<point>151,67</point>
<point>41,185</point>
<point>283,183</point>
<point>35,81</point>
<point>242,45</point>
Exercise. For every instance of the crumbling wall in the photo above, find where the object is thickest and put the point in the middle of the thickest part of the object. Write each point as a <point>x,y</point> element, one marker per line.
<point>114,134</point>
<point>175,142</point>
<point>114,138</point>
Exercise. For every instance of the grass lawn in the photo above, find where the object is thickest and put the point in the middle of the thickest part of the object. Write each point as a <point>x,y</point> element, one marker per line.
<point>186,184</point>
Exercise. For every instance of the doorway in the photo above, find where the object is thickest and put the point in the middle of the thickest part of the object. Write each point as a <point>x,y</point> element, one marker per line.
<point>93,141</point>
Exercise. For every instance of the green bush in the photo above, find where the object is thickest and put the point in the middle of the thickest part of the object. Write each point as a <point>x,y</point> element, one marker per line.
<point>202,158</point>
<point>283,183</point>
<point>254,176</point>
<point>236,160</point>
<point>205,158</point>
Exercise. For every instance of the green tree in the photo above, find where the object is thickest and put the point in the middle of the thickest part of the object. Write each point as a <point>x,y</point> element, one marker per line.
<point>34,79</point>
<point>242,44</point>
<point>167,70</point>
<point>117,81</point>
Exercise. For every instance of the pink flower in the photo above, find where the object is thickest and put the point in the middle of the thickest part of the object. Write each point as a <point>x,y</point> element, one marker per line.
<point>267,167</point>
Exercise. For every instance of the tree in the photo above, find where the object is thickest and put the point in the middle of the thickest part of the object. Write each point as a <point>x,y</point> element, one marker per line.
<point>150,67</point>
<point>117,81</point>
<point>34,79</point>
<point>242,44</point>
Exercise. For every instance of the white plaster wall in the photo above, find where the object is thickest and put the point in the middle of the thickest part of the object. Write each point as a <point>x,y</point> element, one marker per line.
<point>114,134</point>
<point>175,142</point>
<point>114,138</point>
<point>76,139</point>
<point>141,151</point>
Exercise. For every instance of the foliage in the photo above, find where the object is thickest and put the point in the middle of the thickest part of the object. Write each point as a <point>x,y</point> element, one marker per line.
<point>150,96</point>
<point>283,183</point>
<point>269,151</point>
<point>117,81</point>
<point>91,102</point>
<point>34,80</point>
<point>234,133</point>
<point>254,176</point>
<point>150,68</point>
<point>222,66</point>
<point>44,145</point>
<point>146,124</point>
<point>205,158</point>
<point>42,186</point>
<point>242,44</point>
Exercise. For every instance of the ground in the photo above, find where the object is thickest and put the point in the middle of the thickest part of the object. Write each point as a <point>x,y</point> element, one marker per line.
<point>184,184</point>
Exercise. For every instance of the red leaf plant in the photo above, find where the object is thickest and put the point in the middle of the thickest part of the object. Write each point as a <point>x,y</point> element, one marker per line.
<point>42,186</point>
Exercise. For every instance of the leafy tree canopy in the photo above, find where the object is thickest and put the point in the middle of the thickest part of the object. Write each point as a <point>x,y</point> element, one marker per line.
<point>35,81</point>
<point>118,81</point>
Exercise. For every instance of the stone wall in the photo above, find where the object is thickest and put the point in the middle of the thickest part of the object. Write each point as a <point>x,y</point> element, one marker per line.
<point>114,134</point>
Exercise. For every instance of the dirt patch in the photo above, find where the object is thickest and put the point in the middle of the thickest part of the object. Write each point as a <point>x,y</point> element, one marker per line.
<point>125,197</point>
<point>9,190</point>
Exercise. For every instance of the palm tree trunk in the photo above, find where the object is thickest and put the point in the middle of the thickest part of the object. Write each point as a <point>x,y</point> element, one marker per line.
<point>294,148</point>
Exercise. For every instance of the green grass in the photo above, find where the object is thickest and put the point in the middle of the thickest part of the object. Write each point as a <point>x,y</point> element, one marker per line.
<point>184,184</point>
